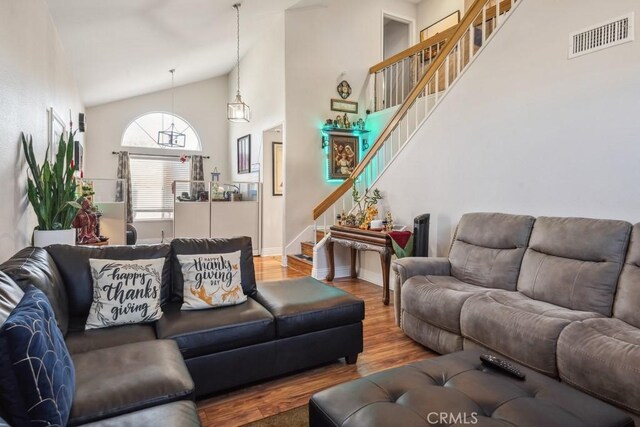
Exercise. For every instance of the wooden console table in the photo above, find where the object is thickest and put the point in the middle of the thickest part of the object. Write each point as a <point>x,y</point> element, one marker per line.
<point>361,240</point>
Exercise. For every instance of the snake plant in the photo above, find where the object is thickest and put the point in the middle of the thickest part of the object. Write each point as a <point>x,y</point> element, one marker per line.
<point>51,188</point>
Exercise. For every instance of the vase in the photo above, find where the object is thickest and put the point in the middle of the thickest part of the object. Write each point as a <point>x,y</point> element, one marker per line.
<point>42,238</point>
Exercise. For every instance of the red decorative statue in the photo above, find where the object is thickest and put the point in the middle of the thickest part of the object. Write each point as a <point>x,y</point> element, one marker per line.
<point>86,220</point>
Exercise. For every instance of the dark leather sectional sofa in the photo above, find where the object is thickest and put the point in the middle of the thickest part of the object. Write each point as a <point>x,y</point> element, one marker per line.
<point>149,374</point>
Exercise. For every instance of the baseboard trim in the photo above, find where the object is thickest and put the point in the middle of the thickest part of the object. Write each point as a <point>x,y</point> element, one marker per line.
<point>321,273</point>
<point>271,251</point>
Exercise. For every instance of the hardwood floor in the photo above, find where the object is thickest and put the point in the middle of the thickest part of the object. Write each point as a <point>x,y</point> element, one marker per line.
<point>385,346</point>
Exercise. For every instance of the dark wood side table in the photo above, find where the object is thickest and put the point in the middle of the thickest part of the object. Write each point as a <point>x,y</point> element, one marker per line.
<point>361,240</point>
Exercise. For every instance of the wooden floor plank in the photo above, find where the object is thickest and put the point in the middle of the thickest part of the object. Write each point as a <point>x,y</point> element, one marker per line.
<point>385,346</point>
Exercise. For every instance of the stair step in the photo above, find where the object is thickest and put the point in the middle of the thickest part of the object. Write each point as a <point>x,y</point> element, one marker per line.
<point>307,249</point>
<point>301,263</point>
<point>319,235</point>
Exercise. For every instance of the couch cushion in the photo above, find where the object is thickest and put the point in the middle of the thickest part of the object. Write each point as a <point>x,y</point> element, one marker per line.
<point>487,249</point>
<point>627,300</point>
<point>575,262</point>
<point>34,266</point>
<point>125,292</point>
<point>437,300</point>
<point>217,329</point>
<point>602,358</point>
<point>37,377</point>
<point>518,327</point>
<point>10,296</point>
<point>211,280</point>
<point>117,380</point>
<point>307,305</point>
<point>453,386</point>
<point>176,414</point>
<point>214,246</point>
<point>95,339</point>
<point>73,264</point>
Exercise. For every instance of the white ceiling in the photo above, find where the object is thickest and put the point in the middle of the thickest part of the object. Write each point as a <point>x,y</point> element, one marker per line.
<point>123,48</point>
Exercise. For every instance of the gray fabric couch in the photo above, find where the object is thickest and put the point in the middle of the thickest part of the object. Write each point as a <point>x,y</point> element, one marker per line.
<point>559,295</point>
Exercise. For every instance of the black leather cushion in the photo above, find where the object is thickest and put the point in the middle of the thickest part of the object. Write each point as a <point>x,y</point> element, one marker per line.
<point>458,384</point>
<point>130,377</point>
<point>306,305</point>
<point>183,414</point>
<point>95,339</point>
<point>218,329</point>
<point>73,264</point>
<point>214,246</point>
<point>34,266</point>
<point>10,296</point>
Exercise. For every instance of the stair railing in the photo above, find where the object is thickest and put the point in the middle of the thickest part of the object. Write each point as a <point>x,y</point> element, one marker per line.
<point>466,41</point>
<point>394,77</point>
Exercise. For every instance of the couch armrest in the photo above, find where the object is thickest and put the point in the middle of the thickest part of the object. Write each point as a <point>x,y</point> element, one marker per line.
<point>415,266</point>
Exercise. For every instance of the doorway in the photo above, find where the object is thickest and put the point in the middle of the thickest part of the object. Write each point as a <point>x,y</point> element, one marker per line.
<point>397,35</point>
<point>272,192</point>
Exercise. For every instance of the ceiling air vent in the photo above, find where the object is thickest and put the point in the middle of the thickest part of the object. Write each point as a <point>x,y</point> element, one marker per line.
<point>602,36</point>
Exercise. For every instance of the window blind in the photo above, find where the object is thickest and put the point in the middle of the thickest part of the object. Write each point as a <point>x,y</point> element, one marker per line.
<point>151,180</point>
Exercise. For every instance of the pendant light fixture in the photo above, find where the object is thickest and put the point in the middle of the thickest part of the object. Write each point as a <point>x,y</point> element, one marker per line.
<point>238,111</point>
<point>170,137</point>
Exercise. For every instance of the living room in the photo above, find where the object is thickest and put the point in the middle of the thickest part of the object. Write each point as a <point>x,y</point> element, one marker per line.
<point>468,107</point>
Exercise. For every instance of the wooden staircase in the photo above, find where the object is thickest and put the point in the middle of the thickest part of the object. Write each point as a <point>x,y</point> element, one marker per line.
<point>303,262</point>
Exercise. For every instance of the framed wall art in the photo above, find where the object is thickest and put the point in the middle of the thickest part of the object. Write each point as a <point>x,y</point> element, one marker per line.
<point>440,26</point>
<point>343,155</point>
<point>343,106</point>
<point>57,129</point>
<point>278,168</point>
<point>244,154</point>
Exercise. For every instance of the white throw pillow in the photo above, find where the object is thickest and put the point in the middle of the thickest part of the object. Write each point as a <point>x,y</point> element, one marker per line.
<point>125,292</point>
<point>211,280</point>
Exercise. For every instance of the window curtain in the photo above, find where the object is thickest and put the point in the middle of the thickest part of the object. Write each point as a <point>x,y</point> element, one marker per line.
<point>124,172</point>
<point>197,174</point>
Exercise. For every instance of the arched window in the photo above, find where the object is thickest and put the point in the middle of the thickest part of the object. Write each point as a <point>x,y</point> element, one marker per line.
<point>152,175</point>
<point>143,132</point>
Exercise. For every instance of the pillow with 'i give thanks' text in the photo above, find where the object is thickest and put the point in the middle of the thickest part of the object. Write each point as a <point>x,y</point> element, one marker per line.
<point>211,280</point>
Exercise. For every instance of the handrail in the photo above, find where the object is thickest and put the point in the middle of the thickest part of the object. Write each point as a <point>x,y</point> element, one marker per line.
<point>463,27</point>
<point>423,45</point>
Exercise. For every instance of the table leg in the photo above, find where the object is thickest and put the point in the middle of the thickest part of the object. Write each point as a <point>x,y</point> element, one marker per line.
<point>354,255</point>
<point>385,260</point>
<point>332,268</point>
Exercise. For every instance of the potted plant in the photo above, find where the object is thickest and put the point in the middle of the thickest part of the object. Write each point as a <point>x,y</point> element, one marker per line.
<point>51,191</point>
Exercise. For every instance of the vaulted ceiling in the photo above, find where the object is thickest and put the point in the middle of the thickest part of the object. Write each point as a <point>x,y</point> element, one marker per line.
<point>123,48</point>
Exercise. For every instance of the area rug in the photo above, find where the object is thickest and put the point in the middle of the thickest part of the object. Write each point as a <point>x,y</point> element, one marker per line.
<point>296,417</point>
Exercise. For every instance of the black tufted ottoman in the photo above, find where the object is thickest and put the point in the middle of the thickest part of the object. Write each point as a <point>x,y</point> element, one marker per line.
<point>457,390</point>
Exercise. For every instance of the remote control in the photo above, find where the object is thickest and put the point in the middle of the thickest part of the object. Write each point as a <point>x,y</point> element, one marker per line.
<point>503,365</point>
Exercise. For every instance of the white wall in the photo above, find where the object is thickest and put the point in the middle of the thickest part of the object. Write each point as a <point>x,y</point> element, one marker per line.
<point>202,104</point>
<point>33,77</point>
<point>262,88</point>
<point>272,206</point>
<point>532,134</point>
<point>397,37</point>
<point>431,11</point>
<point>324,46</point>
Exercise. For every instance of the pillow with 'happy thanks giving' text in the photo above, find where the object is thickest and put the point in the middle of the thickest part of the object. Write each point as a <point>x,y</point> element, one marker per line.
<point>211,280</point>
<point>125,292</point>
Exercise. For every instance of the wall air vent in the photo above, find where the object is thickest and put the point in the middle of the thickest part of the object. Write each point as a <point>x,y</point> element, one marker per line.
<point>602,36</point>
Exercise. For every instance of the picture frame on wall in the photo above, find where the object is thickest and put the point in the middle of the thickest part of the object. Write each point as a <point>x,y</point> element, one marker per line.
<point>440,26</point>
<point>278,169</point>
<point>57,129</point>
<point>343,106</point>
<point>78,156</point>
<point>343,155</point>
<point>244,154</point>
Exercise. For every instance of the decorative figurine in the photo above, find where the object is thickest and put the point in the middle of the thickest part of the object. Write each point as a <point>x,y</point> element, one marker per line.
<point>338,122</point>
<point>344,89</point>
<point>87,221</point>
<point>389,219</point>
<point>345,121</point>
<point>360,123</point>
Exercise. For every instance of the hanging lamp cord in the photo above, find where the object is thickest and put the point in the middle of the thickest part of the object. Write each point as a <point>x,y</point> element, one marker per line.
<point>173,99</point>
<point>237,7</point>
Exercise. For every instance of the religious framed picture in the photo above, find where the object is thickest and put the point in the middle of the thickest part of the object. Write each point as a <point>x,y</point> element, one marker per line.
<point>278,168</point>
<point>343,155</point>
<point>57,130</point>
<point>244,154</point>
<point>440,26</point>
